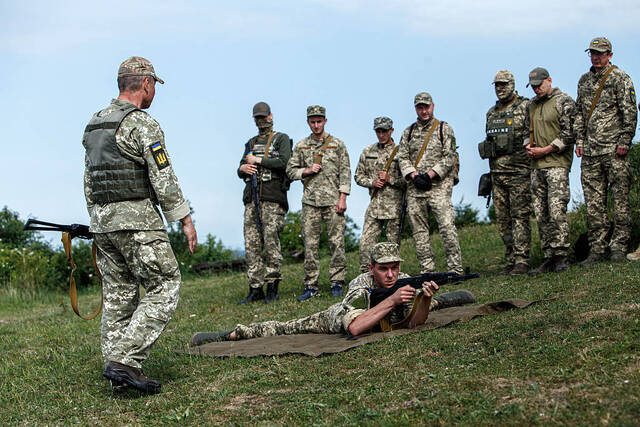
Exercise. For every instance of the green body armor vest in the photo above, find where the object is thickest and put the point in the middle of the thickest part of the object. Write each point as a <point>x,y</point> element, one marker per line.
<point>501,136</point>
<point>273,184</point>
<point>112,177</point>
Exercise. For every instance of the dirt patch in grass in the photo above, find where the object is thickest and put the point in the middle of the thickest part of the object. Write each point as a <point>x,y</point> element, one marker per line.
<point>628,306</point>
<point>247,401</point>
<point>598,314</point>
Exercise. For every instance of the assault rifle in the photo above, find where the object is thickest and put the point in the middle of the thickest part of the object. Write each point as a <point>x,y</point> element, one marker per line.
<point>74,230</point>
<point>255,191</point>
<point>68,233</point>
<point>380,294</point>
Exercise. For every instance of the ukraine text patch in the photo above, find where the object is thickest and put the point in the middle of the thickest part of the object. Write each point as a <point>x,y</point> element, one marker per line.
<point>159,155</point>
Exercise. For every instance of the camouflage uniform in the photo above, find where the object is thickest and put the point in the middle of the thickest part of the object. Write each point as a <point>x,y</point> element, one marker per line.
<point>511,173</point>
<point>134,247</point>
<point>439,155</point>
<point>385,202</point>
<point>552,118</point>
<point>319,199</point>
<point>334,320</point>
<point>612,124</point>
<point>262,251</point>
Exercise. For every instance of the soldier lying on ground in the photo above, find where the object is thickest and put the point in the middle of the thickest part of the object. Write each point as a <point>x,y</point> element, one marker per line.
<point>353,315</point>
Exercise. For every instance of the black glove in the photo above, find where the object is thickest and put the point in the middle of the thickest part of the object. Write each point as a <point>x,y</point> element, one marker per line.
<point>422,182</point>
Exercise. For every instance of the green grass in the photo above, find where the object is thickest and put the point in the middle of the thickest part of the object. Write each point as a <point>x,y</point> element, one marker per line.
<point>571,360</point>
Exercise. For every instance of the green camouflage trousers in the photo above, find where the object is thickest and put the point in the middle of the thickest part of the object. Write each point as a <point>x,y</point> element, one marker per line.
<point>438,199</point>
<point>512,202</point>
<point>312,218</point>
<point>126,260</point>
<point>550,191</point>
<point>599,173</point>
<point>328,321</point>
<point>262,252</point>
<point>371,230</point>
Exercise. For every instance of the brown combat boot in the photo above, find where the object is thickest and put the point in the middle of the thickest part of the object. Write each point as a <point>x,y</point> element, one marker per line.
<point>519,268</point>
<point>547,266</point>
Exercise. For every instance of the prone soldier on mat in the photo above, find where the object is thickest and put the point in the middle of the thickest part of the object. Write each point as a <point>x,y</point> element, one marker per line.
<point>356,314</point>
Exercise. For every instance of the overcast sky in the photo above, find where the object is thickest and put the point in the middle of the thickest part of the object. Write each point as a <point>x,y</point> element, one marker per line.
<point>360,59</point>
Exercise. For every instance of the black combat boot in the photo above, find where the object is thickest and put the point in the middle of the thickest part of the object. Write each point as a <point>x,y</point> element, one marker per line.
<point>519,268</point>
<point>454,299</point>
<point>560,263</point>
<point>547,266</point>
<point>255,294</point>
<point>593,258</point>
<point>200,338</point>
<point>133,377</point>
<point>272,292</point>
<point>506,270</point>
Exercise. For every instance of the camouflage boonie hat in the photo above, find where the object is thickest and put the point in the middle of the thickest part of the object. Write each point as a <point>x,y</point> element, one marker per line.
<point>537,76</point>
<point>382,123</point>
<point>422,98</point>
<point>385,252</point>
<point>600,44</point>
<point>316,110</point>
<point>138,66</point>
<point>503,76</point>
<point>261,109</point>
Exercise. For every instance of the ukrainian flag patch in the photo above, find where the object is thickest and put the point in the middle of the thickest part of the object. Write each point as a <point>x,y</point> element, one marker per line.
<point>159,155</point>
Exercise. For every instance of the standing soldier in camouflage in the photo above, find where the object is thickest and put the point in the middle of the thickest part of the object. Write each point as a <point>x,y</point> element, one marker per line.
<point>378,171</point>
<point>605,125</point>
<point>427,157</point>
<point>510,171</point>
<point>266,155</point>
<point>549,121</point>
<point>127,174</point>
<point>321,161</point>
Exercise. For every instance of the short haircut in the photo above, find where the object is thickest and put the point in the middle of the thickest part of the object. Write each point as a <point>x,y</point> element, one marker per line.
<point>130,83</point>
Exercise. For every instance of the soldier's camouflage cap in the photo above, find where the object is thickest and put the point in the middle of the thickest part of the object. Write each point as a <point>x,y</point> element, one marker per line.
<point>316,110</point>
<point>504,76</point>
<point>138,66</point>
<point>385,252</point>
<point>422,98</point>
<point>261,109</point>
<point>537,76</point>
<point>600,44</point>
<point>382,123</point>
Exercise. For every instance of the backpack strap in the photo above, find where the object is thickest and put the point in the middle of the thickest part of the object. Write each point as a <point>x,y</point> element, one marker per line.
<point>426,141</point>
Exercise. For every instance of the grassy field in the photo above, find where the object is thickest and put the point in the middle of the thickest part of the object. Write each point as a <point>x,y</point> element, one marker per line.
<point>572,360</point>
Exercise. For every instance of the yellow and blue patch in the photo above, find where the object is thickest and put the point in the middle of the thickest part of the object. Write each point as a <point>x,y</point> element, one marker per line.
<point>159,155</point>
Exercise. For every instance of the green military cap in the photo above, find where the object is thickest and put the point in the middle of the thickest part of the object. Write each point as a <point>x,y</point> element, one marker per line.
<point>261,109</point>
<point>385,252</point>
<point>316,110</point>
<point>503,76</point>
<point>382,123</point>
<point>600,44</point>
<point>138,66</point>
<point>422,98</point>
<point>537,76</point>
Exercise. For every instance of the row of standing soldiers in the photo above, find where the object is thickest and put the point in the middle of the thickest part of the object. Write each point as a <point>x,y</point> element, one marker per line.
<point>529,145</point>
